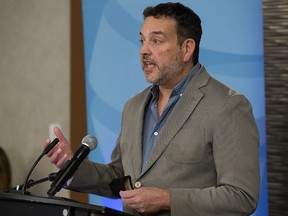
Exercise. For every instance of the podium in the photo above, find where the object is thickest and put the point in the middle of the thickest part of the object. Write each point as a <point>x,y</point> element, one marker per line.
<point>28,205</point>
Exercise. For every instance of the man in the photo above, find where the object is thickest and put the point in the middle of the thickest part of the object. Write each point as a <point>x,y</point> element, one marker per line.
<point>189,143</point>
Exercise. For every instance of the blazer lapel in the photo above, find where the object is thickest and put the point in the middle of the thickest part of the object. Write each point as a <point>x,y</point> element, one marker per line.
<point>181,112</point>
<point>137,139</point>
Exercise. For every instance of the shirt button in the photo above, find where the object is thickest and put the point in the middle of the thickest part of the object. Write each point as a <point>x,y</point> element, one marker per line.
<point>181,95</point>
<point>155,133</point>
<point>137,184</point>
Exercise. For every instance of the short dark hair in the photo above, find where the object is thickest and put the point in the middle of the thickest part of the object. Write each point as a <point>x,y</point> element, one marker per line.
<point>188,23</point>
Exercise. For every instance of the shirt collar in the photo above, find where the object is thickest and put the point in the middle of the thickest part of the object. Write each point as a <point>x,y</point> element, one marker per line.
<point>179,88</point>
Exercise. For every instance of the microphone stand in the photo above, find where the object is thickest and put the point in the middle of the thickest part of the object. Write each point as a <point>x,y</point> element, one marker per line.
<point>31,183</point>
<point>22,189</point>
<point>45,151</point>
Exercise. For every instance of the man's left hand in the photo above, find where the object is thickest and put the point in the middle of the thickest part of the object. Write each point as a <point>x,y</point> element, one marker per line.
<point>147,200</point>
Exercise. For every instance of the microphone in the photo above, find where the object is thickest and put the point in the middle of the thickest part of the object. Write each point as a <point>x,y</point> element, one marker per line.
<point>50,146</point>
<point>45,151</point>
<point>89,143</point>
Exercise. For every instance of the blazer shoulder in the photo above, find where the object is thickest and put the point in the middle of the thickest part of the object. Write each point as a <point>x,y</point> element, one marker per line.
<point>138,99</point>
<point>215,89</point>
<point>206,81</point>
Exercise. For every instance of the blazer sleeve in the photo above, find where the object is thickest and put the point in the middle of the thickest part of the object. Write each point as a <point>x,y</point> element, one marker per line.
<point>235,153</point>
<point>92,177</point>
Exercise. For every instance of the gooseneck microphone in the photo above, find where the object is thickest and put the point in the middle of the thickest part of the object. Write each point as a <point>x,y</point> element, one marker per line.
<point>45,151</point>
<point>89,143</point>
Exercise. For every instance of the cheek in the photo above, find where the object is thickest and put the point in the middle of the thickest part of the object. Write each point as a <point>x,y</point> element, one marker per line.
<point>164,56</point>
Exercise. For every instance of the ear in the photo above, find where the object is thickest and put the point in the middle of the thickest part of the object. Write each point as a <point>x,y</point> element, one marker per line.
<point>188,48</point>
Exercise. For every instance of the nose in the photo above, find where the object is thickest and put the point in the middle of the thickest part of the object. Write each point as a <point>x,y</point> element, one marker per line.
<point>144,50</point>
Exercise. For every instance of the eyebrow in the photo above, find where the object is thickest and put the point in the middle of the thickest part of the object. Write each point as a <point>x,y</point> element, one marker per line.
<point>153,33</point>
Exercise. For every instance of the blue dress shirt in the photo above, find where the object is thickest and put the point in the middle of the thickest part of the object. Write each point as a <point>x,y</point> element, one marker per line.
<point>153,123</point>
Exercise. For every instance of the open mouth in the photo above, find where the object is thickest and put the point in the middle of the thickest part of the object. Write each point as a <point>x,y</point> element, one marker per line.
<point>148,64</point>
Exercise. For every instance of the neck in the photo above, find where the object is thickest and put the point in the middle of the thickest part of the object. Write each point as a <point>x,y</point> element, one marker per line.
<point>167,88</point>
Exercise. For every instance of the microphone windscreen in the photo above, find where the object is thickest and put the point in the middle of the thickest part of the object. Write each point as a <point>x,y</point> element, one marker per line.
<point>90,141</point>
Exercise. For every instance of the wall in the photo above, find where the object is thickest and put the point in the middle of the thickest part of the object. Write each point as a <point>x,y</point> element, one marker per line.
<point>276,77</point>
<point>34,87</point>
<point>34,81</point>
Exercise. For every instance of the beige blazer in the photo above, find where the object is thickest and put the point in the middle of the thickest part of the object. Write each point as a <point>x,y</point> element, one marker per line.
<point>206,154</point>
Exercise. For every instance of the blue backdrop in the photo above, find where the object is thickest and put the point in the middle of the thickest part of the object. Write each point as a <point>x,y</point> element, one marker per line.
<point>231,49</point>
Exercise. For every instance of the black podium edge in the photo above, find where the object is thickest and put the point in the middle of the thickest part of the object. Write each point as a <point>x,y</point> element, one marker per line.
<point>60,201</point>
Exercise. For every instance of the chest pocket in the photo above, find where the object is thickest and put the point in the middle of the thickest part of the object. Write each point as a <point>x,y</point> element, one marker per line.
<point>187,146</point>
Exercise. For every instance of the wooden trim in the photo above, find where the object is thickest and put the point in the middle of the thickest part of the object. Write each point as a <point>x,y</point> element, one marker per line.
<point>78,127</point>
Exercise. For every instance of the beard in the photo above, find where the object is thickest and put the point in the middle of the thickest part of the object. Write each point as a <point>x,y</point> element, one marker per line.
<point>166,72</point>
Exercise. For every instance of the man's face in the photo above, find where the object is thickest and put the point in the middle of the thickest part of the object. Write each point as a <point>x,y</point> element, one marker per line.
<point>160,54</point>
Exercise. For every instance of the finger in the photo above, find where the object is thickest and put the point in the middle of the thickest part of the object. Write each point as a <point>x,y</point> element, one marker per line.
<point>129,202</point>
<point>132,205</point>
<point>54,158</point>
<point>53,150</point>
<point>128,194</point>
<point>135,205</point>
<point>58,133</point>
<point>47,142</point>
<point>61,161</point>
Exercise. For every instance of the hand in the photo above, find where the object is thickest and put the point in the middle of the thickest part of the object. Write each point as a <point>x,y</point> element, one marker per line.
<point>62,151</point>
<point>147,200</point>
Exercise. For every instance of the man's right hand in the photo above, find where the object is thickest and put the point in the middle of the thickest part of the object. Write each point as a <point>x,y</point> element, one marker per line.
<point>62,151</point>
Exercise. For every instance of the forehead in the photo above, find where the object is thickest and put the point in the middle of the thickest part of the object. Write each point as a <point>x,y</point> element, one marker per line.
<point>164,25</point>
